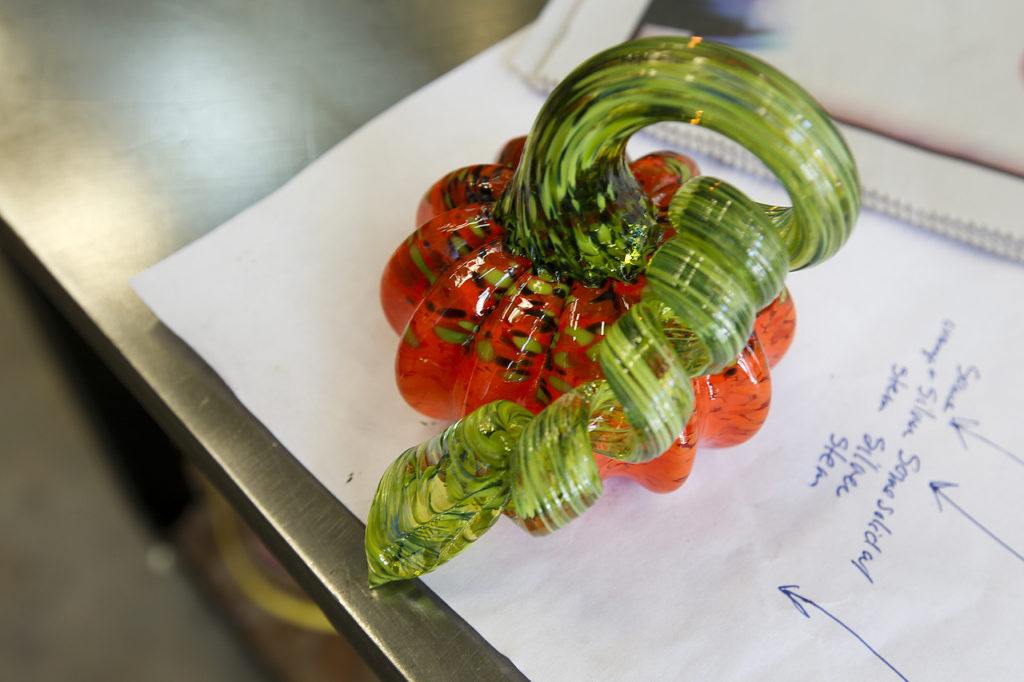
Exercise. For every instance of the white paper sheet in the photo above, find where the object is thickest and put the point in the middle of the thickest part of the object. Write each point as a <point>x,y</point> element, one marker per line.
<point>282,303</point>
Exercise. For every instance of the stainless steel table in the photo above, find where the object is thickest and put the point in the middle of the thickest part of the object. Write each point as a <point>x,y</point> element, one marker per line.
<point>129,128</point>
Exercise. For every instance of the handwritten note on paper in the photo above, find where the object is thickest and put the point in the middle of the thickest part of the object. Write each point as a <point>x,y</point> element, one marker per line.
<point>932,386</point>
<point>924,392</point>
<point>872,530</point>
<point>924,397</point>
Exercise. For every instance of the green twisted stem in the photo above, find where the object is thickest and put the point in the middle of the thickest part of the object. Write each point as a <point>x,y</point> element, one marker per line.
<point>574,208</point>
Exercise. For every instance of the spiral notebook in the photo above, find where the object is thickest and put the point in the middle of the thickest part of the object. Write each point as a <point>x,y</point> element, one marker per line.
<point>874,528</point>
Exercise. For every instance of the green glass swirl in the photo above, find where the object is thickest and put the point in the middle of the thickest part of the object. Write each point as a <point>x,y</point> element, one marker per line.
<point>575,209</point>
<point>730,261</point>
<point>648,379</point>
<point>441,495</point>
<point>573,206</point>
<point>554,476</point>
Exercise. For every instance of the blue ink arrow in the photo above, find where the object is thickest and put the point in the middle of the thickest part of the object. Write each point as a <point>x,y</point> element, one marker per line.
<point>799,601</point>
<point>962,426</point>
<point>938,488</point>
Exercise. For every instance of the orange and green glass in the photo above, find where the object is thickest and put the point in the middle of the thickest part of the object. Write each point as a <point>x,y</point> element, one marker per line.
<point>583,316</point>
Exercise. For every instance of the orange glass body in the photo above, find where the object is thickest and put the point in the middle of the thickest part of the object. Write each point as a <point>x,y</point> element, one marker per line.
<point>478,324</point>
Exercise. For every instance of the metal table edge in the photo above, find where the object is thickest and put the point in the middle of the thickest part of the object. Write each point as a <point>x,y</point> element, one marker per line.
<point>355,616</point>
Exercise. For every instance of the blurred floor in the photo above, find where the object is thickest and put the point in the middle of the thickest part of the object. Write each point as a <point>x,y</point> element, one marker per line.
<point>86,591</point>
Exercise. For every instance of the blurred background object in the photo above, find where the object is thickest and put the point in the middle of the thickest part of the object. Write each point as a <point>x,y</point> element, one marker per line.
<point>128,130</point>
